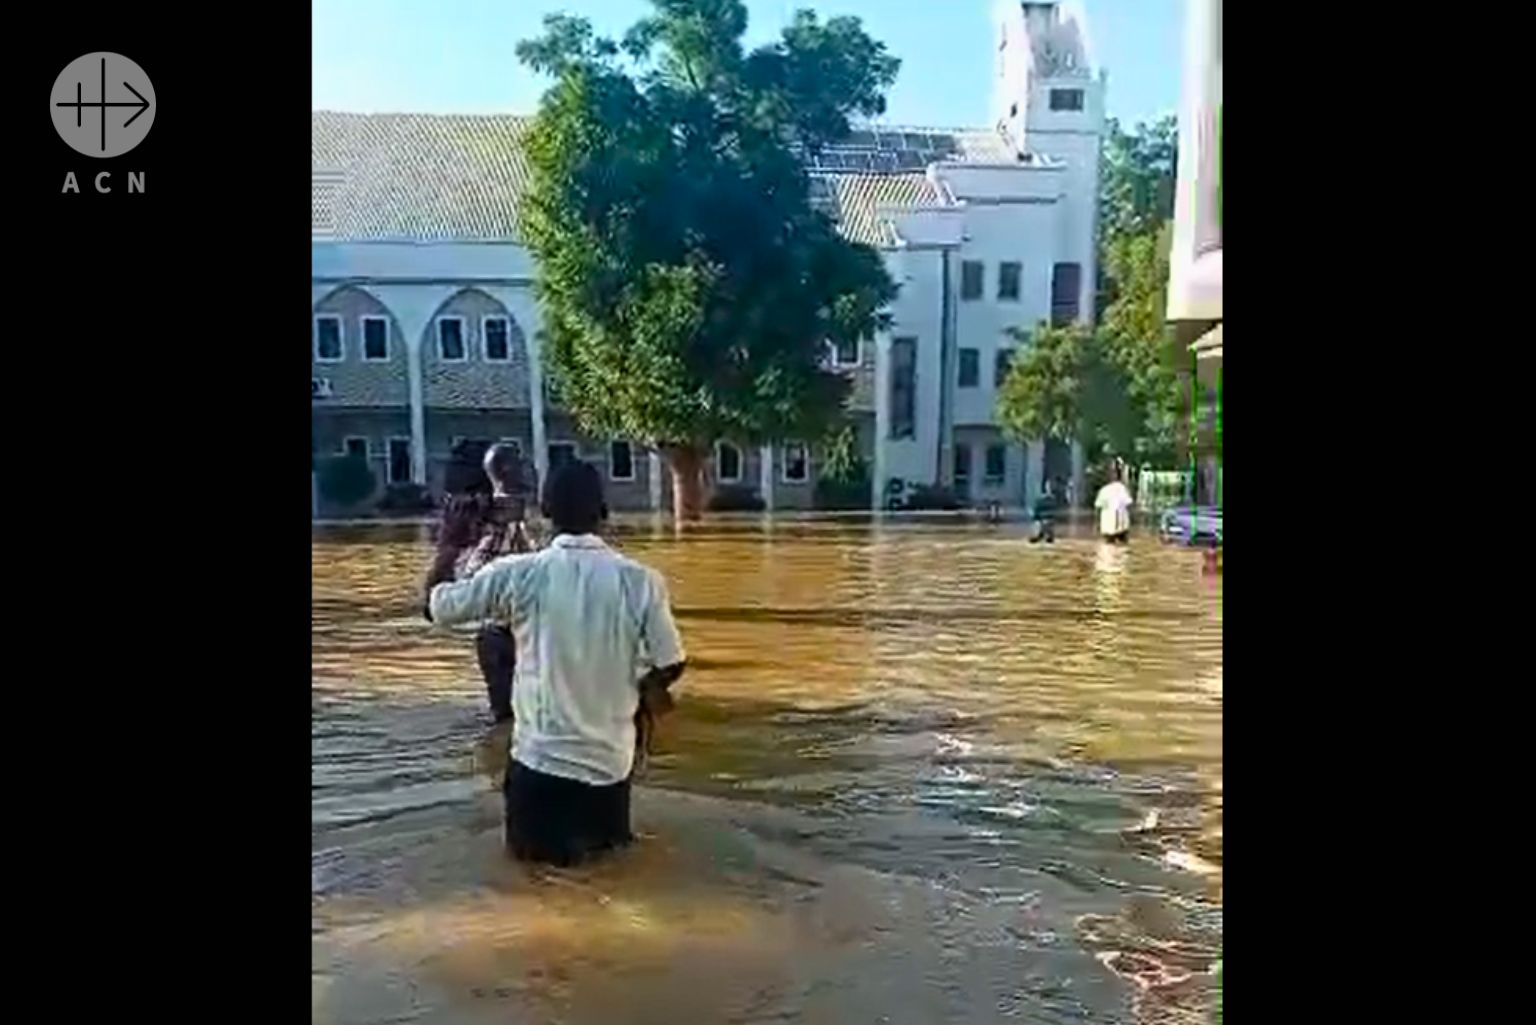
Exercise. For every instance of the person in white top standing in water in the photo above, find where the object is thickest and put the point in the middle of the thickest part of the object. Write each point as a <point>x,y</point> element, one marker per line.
<point>597,647</point>
<point>1114,505</point>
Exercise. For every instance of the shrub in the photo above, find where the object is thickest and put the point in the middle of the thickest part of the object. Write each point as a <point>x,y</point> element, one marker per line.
<point>736,498</point>
<point>345,480</point>
<point>842,494</point>
<point>928,497</point>
<point>406,498</point>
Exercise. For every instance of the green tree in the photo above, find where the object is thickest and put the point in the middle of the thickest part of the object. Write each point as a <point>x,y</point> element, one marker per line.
<point>345,480</point>
<point>1139,342</point>
<point>844,479</point>
<point>1063,386</point>
<point>1136,177</point>
<point>689,289</point>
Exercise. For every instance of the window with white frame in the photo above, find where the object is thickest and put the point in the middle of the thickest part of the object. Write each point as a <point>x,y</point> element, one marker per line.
<point>996,466</point>
<point>1010,276</point>
<point>970,368</point>
<point>727,463</point>
<point>450,339</point>
<point>797,463</point>
<point>560,453</point>
<point>845,353</point>
<point>376,339</point>
<point>355,447</point>
<point>328,339</point>
<point>621,461</point>
<point>399,460</point>
<point>1066,99</point>
<point>972,277</point>
<point>498,339</point>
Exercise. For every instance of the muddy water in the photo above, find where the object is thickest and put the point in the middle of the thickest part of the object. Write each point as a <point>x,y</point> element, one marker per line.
<point>919,773</point>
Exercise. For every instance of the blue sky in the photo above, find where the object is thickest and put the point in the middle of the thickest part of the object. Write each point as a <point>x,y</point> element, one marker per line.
<point>439,56</point>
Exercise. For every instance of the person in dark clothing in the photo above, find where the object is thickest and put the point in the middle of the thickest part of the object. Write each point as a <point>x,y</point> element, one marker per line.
<point>1046,505</point>
<point>483,517</point>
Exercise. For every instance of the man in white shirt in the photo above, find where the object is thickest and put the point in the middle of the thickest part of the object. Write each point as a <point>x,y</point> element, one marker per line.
<point>1114,505</point>
<point>595,637</point>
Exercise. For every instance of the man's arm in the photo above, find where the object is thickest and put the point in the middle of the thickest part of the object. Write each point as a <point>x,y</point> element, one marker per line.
<point>663,646</point>
<point>482,596</point>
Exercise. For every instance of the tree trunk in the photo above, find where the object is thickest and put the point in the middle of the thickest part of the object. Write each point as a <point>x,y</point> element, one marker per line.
<point>687,465</point>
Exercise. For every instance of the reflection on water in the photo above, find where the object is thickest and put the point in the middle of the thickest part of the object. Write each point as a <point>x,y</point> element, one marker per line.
<point>918,773</point>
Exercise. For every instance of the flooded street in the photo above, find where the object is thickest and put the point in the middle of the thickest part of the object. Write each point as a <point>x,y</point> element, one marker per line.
<point>919,773</point>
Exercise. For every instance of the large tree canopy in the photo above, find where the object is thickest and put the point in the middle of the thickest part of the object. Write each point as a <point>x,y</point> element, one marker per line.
<point>689,288</point>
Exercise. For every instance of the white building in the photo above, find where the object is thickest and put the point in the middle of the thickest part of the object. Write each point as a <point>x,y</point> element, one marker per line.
<point>425,327</point>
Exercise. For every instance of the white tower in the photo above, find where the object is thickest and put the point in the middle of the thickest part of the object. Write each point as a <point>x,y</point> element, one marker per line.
<point>1048,100</point>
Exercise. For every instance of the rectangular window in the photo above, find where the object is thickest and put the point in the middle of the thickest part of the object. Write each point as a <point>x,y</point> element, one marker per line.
<point>797,464</point>
<point>1066,99</point>
<point>1001,367</point>
<point>498,346</point>
<point>450,339</point>
<point>727,463</point>
<point>399,460</point>
<point>963,469</point>
<point>1008,278</point>
<point>355,447</point>
<point>1066,291</point>
<point>621,461</point>
<point>845,353</point>
<point>560,453</point>
<point>327,339</point>
<point>972,275</point>
<point>997,464</point>
<point>903,387</point>
<point>970,368</point>
<point>375,339</point>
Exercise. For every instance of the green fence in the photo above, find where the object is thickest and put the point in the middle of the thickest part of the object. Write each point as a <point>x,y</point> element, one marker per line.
<point>1157,490</point>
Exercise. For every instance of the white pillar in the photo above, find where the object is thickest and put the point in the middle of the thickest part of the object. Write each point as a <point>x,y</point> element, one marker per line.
<point>881,470</point>
<point>414,374</point>
<point>536,410</point>
<point>765,476</point>
<point>413,307</point>
<point>653,469</point>
<point>518,300</point>
<point>1034,472</point>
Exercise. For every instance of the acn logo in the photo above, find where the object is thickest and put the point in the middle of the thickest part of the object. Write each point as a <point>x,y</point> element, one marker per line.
<point>102,104</point>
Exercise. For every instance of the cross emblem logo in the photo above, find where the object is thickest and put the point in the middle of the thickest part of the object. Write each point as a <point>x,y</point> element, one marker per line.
<point>102,104</point>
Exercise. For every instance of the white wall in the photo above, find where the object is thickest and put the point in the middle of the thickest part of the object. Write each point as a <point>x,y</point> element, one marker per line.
<point>420,261</point>
<point>1027,234</point>
<point>918,313</point>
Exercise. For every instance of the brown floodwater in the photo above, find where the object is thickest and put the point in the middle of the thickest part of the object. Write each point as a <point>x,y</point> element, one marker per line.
<point>920,772</point>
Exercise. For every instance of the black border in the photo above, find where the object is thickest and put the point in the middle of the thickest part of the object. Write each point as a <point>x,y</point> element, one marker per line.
<point>162,519</point>
<point>168,537</point>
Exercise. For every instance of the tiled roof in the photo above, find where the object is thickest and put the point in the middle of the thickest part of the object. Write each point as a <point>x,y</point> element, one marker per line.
<point>417,177</point>
<point>435,178</point>
<point>856,200</point>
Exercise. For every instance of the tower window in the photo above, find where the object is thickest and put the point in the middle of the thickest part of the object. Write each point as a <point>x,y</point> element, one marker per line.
<point>972,274</point>
<point>1009,276</point>
<point>970,368</point>
<point>1066,99</point>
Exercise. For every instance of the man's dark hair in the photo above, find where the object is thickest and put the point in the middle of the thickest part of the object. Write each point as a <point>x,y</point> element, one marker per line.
<point>464,474</point>
<point>573,498</point>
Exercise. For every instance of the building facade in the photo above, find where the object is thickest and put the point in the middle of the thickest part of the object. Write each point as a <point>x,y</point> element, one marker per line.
<point>425,329</point>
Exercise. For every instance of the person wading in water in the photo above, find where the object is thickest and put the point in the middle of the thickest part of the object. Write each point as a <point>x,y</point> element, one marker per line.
<point>608,649</point>
<point>483,519</point>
